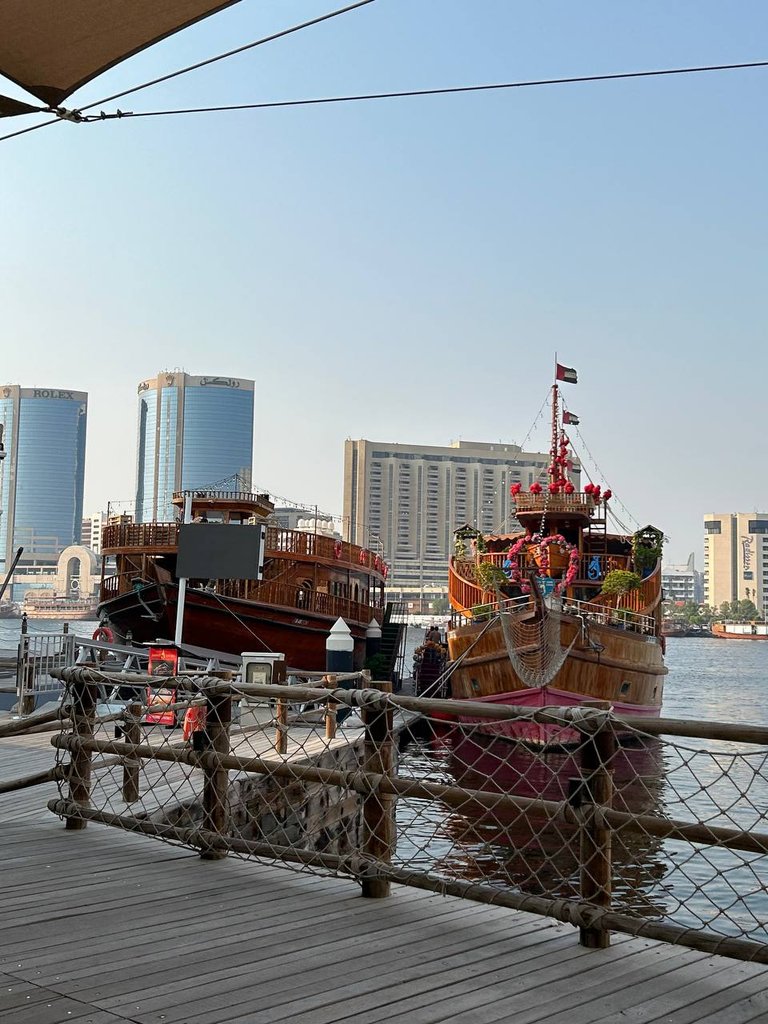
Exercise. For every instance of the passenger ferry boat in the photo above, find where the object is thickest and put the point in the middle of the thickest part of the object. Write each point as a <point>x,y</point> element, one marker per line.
<point>70,609</point>
<point>308,581</point>
<point>561,612</point>
<point>740,630</point>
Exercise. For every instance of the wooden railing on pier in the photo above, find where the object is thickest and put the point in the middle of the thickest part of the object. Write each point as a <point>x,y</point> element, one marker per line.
<point>589,806</point>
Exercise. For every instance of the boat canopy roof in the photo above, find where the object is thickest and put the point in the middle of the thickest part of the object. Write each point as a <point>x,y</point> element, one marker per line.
<point>51,49</point>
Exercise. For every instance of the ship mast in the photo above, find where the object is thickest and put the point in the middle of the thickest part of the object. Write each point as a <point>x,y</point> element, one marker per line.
<point>555,431</point>
<point>557,453</point>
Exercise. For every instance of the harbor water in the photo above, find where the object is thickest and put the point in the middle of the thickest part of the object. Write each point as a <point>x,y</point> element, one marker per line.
<point>10,629</point>
<point>715,782</point>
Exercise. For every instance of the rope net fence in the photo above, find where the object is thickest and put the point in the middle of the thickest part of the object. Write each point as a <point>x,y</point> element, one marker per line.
<point>551,814</point>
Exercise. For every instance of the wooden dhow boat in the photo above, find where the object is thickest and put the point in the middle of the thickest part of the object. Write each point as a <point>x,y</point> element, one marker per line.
<point>562,612</point>
<point>308,581</point>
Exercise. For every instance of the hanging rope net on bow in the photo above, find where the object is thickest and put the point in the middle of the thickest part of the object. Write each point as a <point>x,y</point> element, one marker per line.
<point>534,647</point>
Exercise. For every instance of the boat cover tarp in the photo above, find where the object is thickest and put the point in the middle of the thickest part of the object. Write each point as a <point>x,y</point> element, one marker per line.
<point>52,47</point>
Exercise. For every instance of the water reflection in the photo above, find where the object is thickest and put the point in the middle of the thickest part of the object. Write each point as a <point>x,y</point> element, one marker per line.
<point>695,886</point>
<point>526,849</point>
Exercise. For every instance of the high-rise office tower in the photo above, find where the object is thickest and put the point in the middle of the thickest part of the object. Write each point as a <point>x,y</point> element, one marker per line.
<point>42,475</point>
<point>193,433</point>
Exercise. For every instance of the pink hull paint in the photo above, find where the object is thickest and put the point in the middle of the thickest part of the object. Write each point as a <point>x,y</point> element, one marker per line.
<point>538,734</point>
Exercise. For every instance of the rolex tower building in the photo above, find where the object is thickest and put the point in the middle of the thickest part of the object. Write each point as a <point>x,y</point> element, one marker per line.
<point>193,432</point>
<point>41,476</point>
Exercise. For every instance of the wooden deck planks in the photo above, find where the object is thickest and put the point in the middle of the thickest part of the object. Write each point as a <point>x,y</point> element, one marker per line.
<point>700,997</point>
<point>306,972</point>
<point>236,955</point>
<point>102,927</point>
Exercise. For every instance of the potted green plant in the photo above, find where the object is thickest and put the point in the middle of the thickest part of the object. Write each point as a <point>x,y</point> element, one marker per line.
<point>647,545</point>
<point>620,581</point>
<point>489,576</point>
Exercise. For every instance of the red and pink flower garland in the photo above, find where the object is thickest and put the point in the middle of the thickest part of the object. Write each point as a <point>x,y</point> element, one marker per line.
<point>513,557</point>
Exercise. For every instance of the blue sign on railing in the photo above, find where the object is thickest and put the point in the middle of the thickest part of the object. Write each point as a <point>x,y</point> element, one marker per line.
<point>594,569</point>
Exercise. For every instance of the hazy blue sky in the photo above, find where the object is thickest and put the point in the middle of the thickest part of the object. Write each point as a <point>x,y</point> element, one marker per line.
<point>404,270</point>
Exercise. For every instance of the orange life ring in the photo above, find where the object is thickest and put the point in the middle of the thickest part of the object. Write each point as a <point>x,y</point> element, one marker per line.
<point>104,634</point>
<point>337,549</point>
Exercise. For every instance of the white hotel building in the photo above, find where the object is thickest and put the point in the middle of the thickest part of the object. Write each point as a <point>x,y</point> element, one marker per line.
<point>407,500</point>
<point>736,558</point>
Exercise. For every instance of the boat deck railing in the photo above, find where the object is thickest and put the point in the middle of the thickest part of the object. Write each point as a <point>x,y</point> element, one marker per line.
<point>606,615</point>
<point>609,824</point>
<point>240,497</point>
<point>294,596</point>
<point>477,603</point>
<point>159,538</point>
<point>593,568</point>
<point>576,503</point>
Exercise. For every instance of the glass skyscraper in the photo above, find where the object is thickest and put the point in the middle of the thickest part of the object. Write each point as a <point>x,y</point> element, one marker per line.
<point>193,433</point>
<point>41,478</point>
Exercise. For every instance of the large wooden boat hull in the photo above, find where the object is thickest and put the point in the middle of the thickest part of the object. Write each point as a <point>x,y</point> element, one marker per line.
<point>622,667</point>
<point>226,624</point>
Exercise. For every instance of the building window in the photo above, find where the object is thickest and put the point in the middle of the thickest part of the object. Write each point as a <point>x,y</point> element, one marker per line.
<point>758,526</point>
<point>713,526</point>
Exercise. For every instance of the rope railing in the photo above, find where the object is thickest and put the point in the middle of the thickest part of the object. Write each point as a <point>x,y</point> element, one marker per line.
<point>622,829</point>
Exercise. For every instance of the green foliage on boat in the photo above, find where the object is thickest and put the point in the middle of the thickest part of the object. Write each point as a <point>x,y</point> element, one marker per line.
<point>620,581</point>
<point>489,576</point>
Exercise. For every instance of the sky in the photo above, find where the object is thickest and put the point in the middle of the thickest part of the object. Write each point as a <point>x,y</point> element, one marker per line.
<point>405,270</point>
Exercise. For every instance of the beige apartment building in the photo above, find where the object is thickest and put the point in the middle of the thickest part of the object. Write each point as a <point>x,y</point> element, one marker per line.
<point>406,500</point>
<point>736,558</point>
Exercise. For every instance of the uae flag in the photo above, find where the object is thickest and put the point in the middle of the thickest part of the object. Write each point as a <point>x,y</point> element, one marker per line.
<point>570,417</point>
<point>567,374</point>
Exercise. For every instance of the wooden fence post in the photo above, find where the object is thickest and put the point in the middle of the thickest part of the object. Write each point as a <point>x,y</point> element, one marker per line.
<point>597,754</point>
<point>83,714</point>
<point>330,709</point>
<point>216,785</point>
<point>25,674</point>
<point>281,731</point>
<point>378,808</point>
<point>131,765</point>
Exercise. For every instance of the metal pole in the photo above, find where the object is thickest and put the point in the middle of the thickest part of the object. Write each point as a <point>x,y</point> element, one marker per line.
<point>8,575</point>
<point>182,582</point>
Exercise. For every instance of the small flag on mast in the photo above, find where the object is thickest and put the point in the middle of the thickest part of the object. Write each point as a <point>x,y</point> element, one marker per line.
<point>567,374</point>
<point>570,417</point>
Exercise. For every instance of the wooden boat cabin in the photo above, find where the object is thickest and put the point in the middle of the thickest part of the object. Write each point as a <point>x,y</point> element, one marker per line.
<point>308,581</point>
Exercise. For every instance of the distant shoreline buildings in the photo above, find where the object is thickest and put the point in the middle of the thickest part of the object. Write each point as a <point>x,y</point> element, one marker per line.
<point>682,584</point>
<point>408,500</point>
